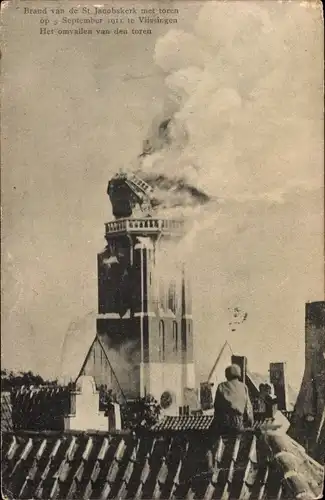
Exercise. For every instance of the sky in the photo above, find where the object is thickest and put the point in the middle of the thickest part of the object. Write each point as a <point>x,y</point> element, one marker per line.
<point>244,80</point>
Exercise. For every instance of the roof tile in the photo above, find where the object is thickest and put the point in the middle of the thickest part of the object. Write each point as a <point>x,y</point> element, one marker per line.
<point>112,473</point>
<point>6,412</point>
<point>141,467</point>
<point>12,448</point>
<point>262,485</point>
<point>143,478</point>
<point>93,466</point>
<point>184,423</point>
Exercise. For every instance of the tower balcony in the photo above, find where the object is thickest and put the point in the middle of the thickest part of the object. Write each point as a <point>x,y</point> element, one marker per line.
<point>145,226</point>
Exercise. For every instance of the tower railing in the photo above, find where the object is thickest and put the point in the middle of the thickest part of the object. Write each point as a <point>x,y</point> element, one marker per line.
<point>137,225</point>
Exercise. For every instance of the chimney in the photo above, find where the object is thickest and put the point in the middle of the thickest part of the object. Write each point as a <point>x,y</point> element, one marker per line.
<point>241,361</point>
<point>206,398</point>
<point>313,401</point>
<point>279,382</point>
<point>268,400</point>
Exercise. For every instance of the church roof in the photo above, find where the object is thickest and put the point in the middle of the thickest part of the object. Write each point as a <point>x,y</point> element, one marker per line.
<point>184,423</point>
<point>192,423</point>
<point>101,465</point>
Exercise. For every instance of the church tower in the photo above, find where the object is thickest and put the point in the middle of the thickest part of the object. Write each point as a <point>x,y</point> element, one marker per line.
<point>144,299</point>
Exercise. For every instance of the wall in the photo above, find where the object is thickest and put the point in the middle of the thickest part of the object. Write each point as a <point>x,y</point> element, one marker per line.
<point>163,377</point>
<point>173,378</point>
<point>308,412</point>
<point>112,366</point>
<point>115,277</point>
<point>144,317</point>
<point>98,367</point>
<point>86,415</point>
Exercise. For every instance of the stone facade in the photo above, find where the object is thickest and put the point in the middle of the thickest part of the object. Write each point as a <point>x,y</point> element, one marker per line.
<point>308,418</point>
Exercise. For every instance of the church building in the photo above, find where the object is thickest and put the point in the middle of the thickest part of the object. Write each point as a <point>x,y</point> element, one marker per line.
<point>144,341</point>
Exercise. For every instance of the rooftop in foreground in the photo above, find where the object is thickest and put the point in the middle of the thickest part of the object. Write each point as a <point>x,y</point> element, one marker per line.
<point>95,465</point>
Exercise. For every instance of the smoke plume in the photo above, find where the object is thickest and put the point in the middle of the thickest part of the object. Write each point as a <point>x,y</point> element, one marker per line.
<point>236,110</point>
<point>243,125</point>
<point>124,360</point>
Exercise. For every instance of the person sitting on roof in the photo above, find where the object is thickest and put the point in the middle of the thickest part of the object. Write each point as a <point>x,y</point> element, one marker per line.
<point>232,406</point>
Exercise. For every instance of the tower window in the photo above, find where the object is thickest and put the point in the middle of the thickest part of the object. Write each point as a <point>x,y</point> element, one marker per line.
<point>185,335</point>
<point>112,247</point>
<point>162,295</point>
<point>175,336</point>
<point>172,297</point>
<point>161,341</point>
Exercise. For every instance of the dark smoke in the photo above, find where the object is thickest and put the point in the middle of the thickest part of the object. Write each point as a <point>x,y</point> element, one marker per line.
<point>178,186</point>
<point>169,191</point>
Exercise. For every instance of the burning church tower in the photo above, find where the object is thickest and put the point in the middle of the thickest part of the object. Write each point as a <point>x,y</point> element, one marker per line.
<point>144,342</point>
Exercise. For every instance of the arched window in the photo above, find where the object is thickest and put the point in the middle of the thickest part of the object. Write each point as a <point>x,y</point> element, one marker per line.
<point>162,295</point>
<point>175,336</point>
<point>185,336</point>
<point>161,341</point>
<point>172,297</point>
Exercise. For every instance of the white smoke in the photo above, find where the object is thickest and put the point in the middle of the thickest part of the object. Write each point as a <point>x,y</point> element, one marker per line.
<point>242,103</point>
<point>246,129</point>
<point>124,359</point>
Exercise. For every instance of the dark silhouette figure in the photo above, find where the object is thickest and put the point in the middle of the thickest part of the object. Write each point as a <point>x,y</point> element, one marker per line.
<point>233,410</point>
<point>232,406</point>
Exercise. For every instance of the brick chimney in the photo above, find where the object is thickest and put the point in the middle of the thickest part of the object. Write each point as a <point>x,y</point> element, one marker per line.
<point>279,381</point>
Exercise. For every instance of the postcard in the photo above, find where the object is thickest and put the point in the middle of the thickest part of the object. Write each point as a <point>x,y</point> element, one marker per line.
<point>163,314</point>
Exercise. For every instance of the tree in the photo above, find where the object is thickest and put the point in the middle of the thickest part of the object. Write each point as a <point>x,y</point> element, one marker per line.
<point>141,414</point>
<point>11,380</point>
<point>106,398</point>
